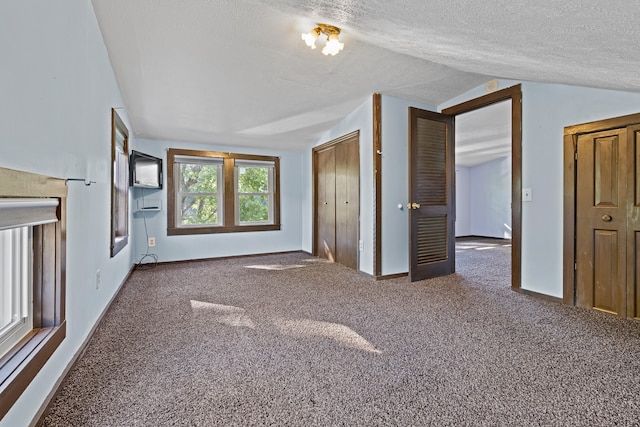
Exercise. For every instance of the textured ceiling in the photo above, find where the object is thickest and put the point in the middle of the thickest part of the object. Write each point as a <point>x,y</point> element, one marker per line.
<point>236,72</point>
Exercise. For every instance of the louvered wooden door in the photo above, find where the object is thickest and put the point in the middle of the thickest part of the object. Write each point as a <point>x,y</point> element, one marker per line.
<point>431,195</point>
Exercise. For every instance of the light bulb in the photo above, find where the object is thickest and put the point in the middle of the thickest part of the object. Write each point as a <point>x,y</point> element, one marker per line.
<point>310,38</point>
<point>333,45</point>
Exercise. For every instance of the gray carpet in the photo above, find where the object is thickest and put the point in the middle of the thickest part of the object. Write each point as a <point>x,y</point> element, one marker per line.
<point>294,341</point>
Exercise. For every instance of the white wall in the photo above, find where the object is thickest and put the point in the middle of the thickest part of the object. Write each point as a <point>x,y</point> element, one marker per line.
<point>463,202</point>
<point>57,90</point>
<point>547,109</point>
<point>490,199</point>
<point>175,248</point>
<point>483,199</point>
<point>395,183</point>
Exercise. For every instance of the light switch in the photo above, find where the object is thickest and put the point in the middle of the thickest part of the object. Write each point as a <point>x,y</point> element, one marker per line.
<point>527,195</point>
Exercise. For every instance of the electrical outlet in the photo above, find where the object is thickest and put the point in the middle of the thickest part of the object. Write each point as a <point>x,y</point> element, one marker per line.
<point>527,195</point>
<point>152,242</point>
<point>98,279</point>
<point>360,245</point>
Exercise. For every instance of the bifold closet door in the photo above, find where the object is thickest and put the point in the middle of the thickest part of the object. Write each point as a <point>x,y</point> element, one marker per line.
<point>326,200</point>
<point>347,202</point>
<point>608,221</point>
<point>601,221</point>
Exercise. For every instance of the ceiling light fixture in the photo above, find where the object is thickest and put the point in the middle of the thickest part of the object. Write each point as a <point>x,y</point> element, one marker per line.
<point>333,45</point>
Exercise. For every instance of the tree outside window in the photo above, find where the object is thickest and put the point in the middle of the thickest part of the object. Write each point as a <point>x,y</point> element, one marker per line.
<point>199,195</point>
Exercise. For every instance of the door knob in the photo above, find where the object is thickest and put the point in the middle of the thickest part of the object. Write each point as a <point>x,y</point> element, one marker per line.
<point>413,205</point>
<point>606,218</point>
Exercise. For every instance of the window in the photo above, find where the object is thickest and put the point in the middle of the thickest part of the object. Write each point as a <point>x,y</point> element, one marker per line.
<point>199,195</point>
<point>119,184</point>
<point>16,317</point>
<point>32,277</point>
<point>211,192</point>
<point>254,192</point>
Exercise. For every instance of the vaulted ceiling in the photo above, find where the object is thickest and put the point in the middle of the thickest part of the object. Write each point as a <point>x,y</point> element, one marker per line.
<point>236,72</point>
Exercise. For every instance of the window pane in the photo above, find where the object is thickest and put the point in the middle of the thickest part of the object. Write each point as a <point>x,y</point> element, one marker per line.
<point>13,283</point>
<point>199,210</point>
<point>253,179</point>
<point>254,208</point>
<point>198,178</point>
<point>6,282</point>
<point>15,267</point>
<point>121,188</point>
<point>120,137</point>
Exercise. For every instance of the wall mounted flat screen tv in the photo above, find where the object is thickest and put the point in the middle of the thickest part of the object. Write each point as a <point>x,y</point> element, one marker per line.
<point>145,170</point>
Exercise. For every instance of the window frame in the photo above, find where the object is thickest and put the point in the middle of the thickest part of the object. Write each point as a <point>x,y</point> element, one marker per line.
<point>219,194</point>
<point>270,194</point>
<point>119,185</point>
<point>228,185</point>
<point>22,363</point>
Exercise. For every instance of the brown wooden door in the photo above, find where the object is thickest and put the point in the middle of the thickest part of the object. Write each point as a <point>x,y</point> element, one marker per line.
<point>633,222</point>
<point>431,195</point>
<point>337,186</point>
<point>326,204</point>
<point>347,202</point>
<point>603,181</point>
